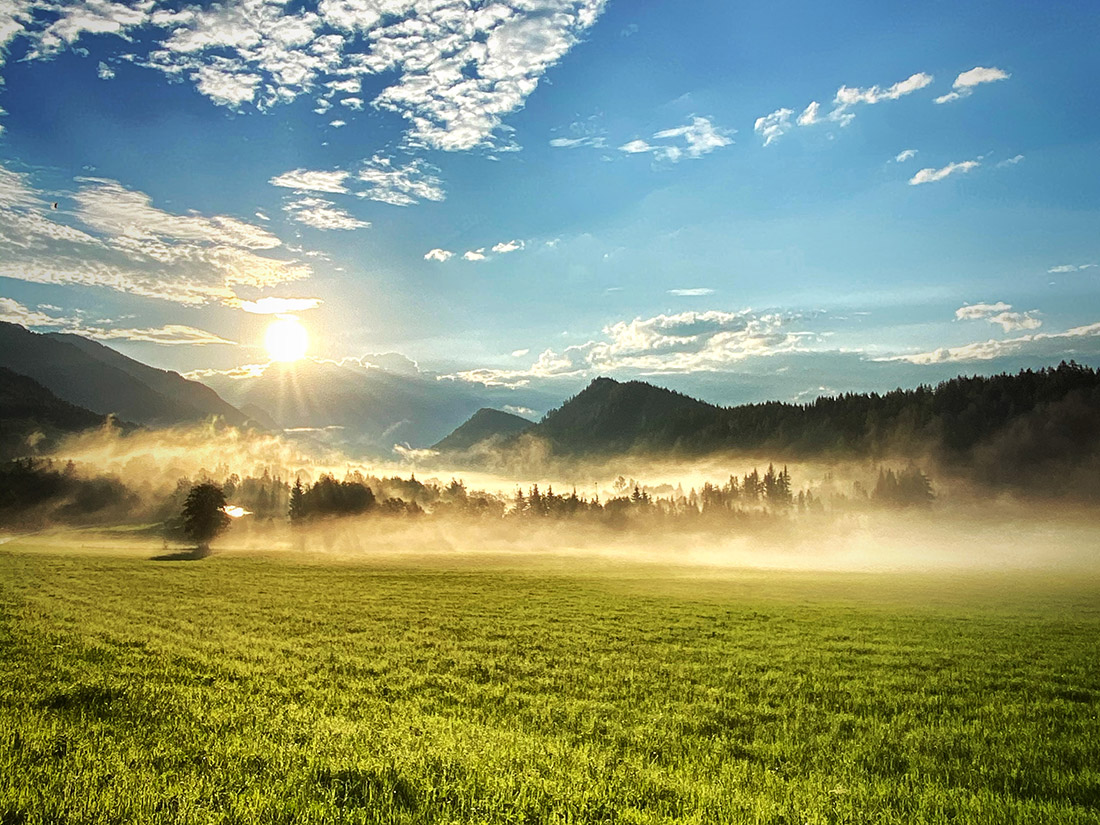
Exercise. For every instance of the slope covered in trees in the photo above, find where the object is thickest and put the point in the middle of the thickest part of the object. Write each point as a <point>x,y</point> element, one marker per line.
<point>484,425</point>
<point>32,417</point>
<point>1032,428</point>
<point>96,377</point>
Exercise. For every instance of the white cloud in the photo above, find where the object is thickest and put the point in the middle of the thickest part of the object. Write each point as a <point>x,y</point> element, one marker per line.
<point>1011,161</point>
<point>453,69</point>
<point>848,97</point>
<point>353,103</point>
<point>685,342</point>
<point>999,313</point>
<point>129,245</point>
<point>905,154</point>
<point>105,72</point>
<point>810,115</point>
<point>503,247</point>
<point>774,126</point>
<point>14,312</point>
<point>474,254</point>
<point>700,136</point>
<point>519,353</point>
<point>322,214</point>
<point>1042,344</point>
<point>170,334</point>
<point>930,175</point>
<point>400,185</point>
<point>262,216</point>
<point>977,312</point>
<point>692,292</point>
<point>305,180</point>
<point>437,254</point>
<point>964,84</point>
<point>593,141</point>
<point>336,124</point>
<point>1054,270</point>
<point>278,306</point>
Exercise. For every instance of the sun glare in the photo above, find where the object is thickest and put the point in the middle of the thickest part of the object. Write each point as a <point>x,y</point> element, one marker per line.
<point>286,340</point>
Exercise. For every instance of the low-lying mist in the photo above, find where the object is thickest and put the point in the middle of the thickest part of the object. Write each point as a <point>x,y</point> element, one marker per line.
<point>712,512</point>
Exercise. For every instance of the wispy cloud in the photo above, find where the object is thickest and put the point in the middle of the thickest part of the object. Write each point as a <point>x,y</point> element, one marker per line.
<point>810,115</point>
<point>1064,268</point>
<point>693,140</point>
<point>1010,161</point>
<point>504,247</point>
<point>999,313</point>
<point>398,185</point>
<point>14,312</point>
<point>692,292</point>
<point>123,242</point>
<point>964,84</point>
<point>168,335</point>
<point>774,126</point>
<point>322,214</point>
<point>931,175</point>
<point>685,342</point>
<point>592,141</point>
<point>305,180</point>
<point>278,306</point>
<point>904,155</point>
<point>1042,344</point>
<point>453,70</point>
<point>848,97</point>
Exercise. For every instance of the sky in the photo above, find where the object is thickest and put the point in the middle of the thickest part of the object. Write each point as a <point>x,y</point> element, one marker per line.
<point>739,200</point>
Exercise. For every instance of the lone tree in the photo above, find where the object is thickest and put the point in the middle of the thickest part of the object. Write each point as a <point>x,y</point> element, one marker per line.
<point>204,514</point>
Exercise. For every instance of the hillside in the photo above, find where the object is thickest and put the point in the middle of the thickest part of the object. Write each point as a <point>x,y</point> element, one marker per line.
<point>97,378</point>
<point>32,417</point>
<point>1036,428</point>
<point>191,395</point>
<point>611,417</point>
<point>485,425</point>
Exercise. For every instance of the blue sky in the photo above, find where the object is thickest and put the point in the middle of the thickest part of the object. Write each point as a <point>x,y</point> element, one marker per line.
<point>739,200</point>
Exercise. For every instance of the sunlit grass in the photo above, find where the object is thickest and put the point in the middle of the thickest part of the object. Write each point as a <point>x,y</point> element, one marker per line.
<point>304,689</point>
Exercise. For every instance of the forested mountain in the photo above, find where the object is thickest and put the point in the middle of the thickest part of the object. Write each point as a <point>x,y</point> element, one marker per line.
<point>190,395</point>
<point>485,425</point>
<point>953,417</point>
<point>97,378</point>
<point>32,417</point>
<point>1036,428</point>
<point>613,417</point>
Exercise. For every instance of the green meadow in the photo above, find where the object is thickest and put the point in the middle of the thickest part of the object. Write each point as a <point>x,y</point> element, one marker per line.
<point>285,687</point>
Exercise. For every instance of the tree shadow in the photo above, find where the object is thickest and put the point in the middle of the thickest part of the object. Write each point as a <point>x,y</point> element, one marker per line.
<point>193,554</point>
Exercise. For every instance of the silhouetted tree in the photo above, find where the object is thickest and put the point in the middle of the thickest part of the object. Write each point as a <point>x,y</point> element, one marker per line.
<point>204,514</point>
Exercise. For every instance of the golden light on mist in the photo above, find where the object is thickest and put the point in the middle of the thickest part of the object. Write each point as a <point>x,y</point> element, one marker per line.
<point>286,340</point>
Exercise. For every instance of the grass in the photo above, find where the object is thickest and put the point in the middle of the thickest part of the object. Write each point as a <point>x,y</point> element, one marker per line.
<point>288,688</point>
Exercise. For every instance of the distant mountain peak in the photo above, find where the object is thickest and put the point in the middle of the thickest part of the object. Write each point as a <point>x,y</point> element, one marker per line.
<point>484,425</point>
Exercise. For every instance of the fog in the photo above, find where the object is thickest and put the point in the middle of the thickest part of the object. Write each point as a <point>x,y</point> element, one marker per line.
<point>836,523</point>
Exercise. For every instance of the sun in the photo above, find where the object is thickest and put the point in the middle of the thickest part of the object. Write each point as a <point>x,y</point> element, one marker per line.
<point>286,340</point>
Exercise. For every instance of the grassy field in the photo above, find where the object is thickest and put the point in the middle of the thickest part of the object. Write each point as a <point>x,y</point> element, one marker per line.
<point>284,688</point>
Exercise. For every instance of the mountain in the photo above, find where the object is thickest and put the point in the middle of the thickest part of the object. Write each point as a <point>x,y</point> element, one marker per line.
<point>97,378</point>
<point>486,424</point>
<point>613,417</point>
<point>359,406</point>
<point>32,417</point>
<point>1037,429</point>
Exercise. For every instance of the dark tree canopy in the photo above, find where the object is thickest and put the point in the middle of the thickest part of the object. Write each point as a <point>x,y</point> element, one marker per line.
<point>204,515</point>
